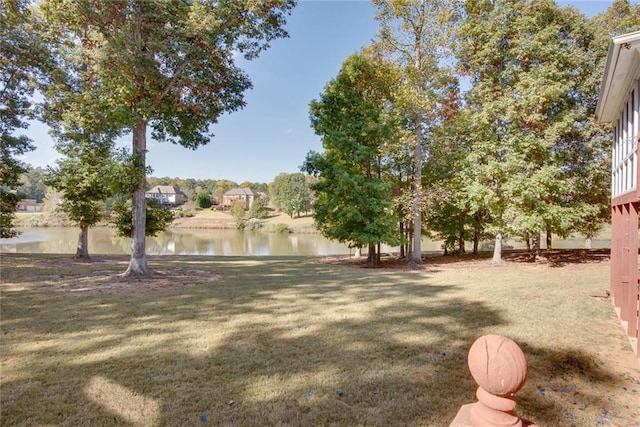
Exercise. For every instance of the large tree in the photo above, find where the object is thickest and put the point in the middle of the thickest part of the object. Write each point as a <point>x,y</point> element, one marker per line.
<point>417,34</point>
<point>22,58</point>
<point>291,192</point>
<point>354,203</point>
<point>534,143</point>
<point>168,65</point>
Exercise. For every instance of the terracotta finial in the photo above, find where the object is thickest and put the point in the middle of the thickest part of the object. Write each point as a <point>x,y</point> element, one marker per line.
<point>499,367</point>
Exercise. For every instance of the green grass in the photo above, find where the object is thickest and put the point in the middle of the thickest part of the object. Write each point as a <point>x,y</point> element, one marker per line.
<point>270,341</point>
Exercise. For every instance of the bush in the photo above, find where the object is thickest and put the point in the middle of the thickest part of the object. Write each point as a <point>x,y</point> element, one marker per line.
<point>281,228</point>
<point>237,212</point>
<point>203,200</point>
<point>260,209</point>
<point>183,212</point>
<point>252,224</point>
<point>158,217</point>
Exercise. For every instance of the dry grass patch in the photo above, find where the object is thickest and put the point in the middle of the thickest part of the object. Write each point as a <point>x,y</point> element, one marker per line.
<point>271,341</point>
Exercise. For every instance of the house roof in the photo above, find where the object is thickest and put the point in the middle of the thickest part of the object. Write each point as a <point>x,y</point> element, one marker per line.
<point>164,189</point>
<point>241,192</point>
<point>622,67</point>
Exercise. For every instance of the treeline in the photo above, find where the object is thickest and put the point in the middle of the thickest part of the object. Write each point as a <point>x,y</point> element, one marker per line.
<point>213,189</point>
<point>288,192</point>
<point>467,121</point>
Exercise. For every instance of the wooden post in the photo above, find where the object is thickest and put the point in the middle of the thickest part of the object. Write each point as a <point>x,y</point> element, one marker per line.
<point>499,367</point>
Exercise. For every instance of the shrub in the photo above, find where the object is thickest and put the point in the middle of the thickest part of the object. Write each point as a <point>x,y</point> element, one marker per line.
<point>237,212</point>
<point>158,217</point>
<point>259,208</point>
<point>203,200</point>
<point>252,224</point>
<point>281,228</point>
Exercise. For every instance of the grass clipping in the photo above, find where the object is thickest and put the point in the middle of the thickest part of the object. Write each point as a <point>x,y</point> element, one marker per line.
<point>303,341</point>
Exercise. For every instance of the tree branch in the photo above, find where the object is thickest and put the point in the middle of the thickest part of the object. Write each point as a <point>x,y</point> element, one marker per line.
<point>158,99</point>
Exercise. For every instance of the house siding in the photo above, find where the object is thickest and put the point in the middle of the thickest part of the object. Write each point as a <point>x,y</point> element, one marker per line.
<point>619,104</point>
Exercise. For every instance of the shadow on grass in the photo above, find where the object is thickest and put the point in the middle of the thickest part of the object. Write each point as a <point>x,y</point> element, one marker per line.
<point>571,387</point>
<point>272,343</point>
<point>560,257</point>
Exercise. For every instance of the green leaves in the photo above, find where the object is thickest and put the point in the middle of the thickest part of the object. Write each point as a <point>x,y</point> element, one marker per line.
<point>157,217</point>
<point>353,201</point>
<point>86,177</point>
<point>291,192</point>
<point>23,56</point>
<point>530,107</point>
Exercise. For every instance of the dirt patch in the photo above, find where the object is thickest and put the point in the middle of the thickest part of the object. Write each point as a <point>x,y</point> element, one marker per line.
<point>551,258</point>
<point>105,276</point>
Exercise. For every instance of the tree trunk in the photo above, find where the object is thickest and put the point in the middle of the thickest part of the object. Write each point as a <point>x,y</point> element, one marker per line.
<point>416,255</point>
<point>82,251</point>
<point>402,251</point>
<point>409,240</point>
<point>587,242</point>
<point>476,240</point>
<point>476,233</point>
<point>536,245</point>
<point>138,262</point>
<point>548,239</point>
<point>372,255</point>
<point>358,253</point>
<point>497,250</point>
<point>461,236</point>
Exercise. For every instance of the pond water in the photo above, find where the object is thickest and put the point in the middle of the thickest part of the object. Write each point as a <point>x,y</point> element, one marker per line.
<point>102,240</point>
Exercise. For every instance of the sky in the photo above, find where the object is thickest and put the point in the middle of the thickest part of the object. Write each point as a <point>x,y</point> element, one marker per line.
<point>272,134</point>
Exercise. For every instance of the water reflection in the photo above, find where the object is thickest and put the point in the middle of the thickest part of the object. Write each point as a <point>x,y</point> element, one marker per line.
<point>102,240</point>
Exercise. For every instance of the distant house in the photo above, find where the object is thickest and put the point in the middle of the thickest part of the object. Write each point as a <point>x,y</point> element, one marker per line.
<point>246,194</point>
<point>29,205</point>
<point>167,195</point>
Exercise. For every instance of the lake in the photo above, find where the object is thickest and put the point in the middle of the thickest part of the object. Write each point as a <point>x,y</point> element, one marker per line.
<point>182,241</point>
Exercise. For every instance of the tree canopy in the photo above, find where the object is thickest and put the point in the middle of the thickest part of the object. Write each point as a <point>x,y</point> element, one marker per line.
<point>353,201</point>
<point>169,65</point>
<point>85,177</point>
<point>534,143</point>
<point>23,57</point>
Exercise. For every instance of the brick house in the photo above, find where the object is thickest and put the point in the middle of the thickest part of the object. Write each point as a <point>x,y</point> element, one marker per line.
<point>246,194</point>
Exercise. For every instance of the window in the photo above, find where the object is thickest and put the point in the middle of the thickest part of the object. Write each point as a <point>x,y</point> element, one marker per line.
<point>624,167</point>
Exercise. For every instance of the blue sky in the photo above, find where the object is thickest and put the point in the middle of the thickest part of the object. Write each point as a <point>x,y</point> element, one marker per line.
<point>272,133</point>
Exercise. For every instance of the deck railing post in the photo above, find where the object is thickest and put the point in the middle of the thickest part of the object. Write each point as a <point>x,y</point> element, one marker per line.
<point>499,367</point>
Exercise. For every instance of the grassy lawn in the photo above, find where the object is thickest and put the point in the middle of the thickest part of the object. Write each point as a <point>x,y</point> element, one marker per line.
<point>207,218</point>
<point>271,341</point>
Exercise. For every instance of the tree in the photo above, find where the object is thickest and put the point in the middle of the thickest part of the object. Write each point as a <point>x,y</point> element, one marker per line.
<point>417,33</point>
<point>260,208</point>
<point>85,178</point>
<point>157,217</point>
<point>291,192</point>
<point>353,202</point>
<point>203,200</point>
<point>531,65</point>
<point>33,184</point>
<point>238,209</point>
<point>622,17</point>
<point>22,59</point>
<point>168,65</point>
